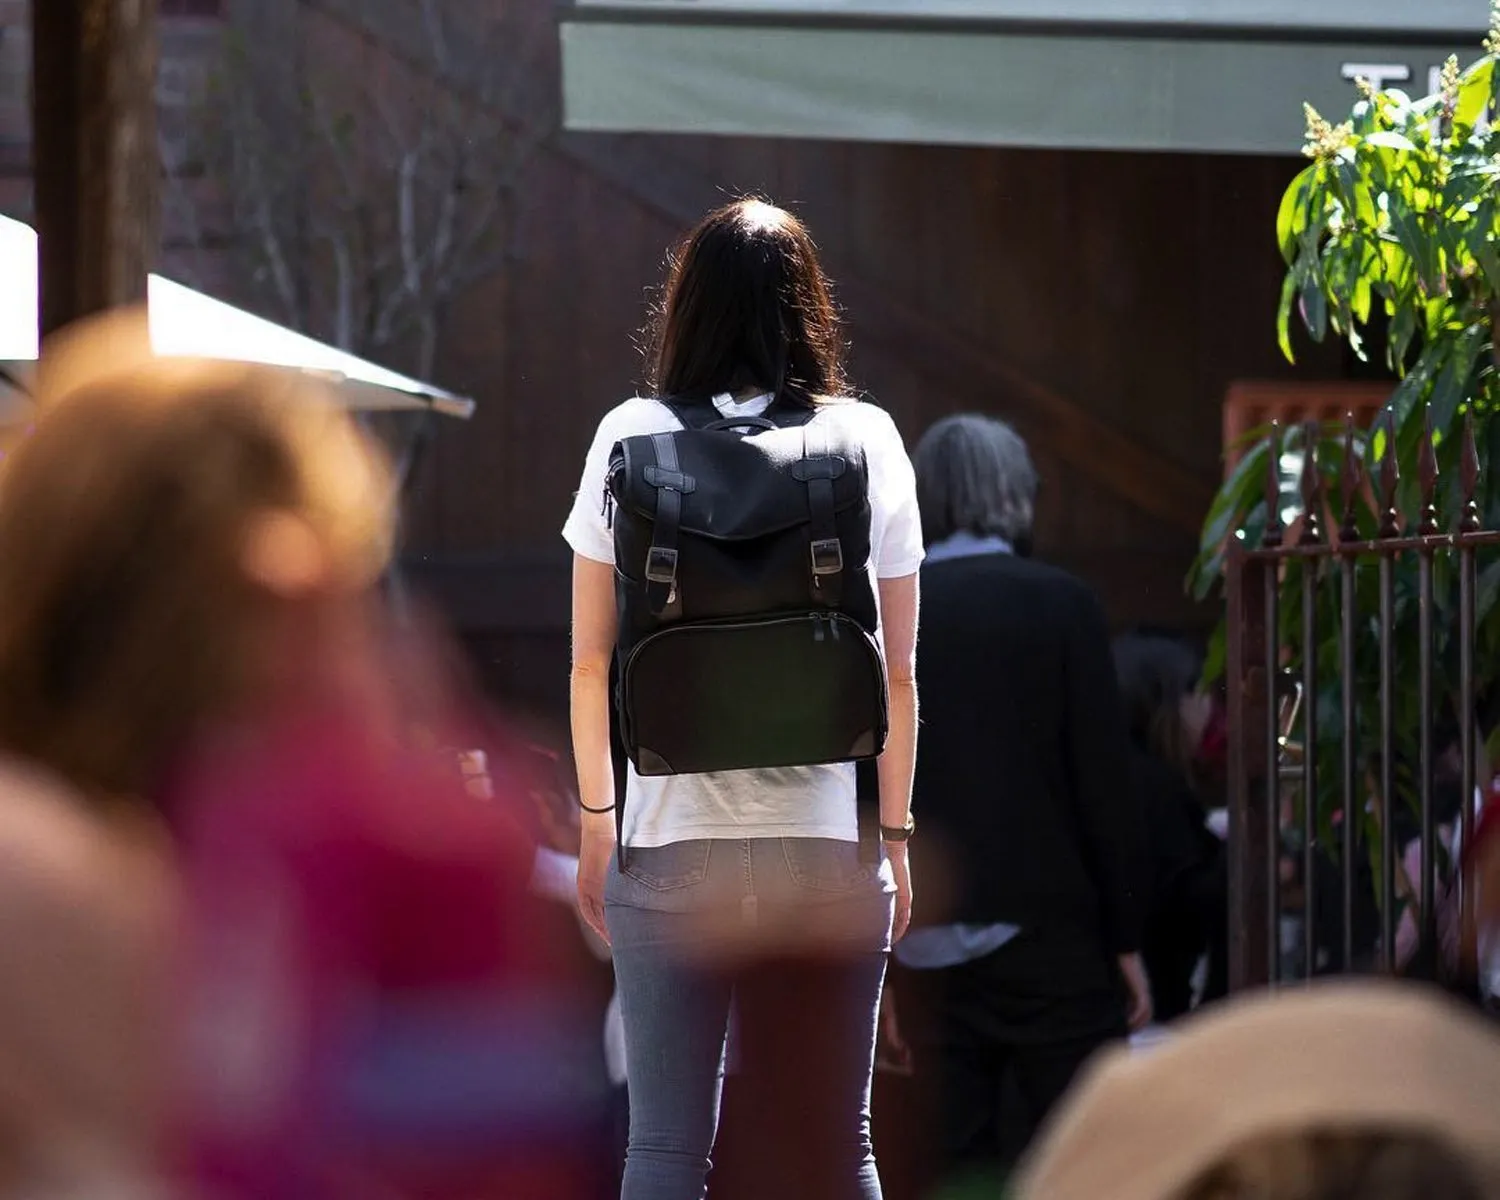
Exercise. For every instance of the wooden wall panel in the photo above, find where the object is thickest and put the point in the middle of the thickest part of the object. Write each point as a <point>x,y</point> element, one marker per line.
<point>546,351</point>
<point>1102,302</point>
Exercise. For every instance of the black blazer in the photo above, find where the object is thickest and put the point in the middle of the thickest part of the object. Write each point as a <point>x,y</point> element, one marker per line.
<point>1022,790</point>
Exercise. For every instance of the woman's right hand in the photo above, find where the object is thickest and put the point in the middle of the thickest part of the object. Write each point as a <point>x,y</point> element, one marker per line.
<point>595,847</point>
<point>1138,992</point>
<point>594,626</point>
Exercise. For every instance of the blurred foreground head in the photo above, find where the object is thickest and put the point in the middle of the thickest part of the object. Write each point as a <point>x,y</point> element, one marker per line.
<point>1339,1092</point>
<point>158,517</point>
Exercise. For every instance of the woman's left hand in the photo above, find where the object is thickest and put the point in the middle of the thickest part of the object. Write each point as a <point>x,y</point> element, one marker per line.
<point>901,869</point>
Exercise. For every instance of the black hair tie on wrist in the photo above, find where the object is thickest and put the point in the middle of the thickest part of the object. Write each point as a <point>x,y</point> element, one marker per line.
<point>596,811</point>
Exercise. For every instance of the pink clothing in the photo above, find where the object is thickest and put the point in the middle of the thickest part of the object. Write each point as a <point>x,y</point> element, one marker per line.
<point>86,908</point>
<point>367,1011</point>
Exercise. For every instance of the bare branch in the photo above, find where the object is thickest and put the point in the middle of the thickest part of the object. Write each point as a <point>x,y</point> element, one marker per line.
<point>344,319</point>
<point>255,189</point>
<point>336,145</point>
<point>367,203</point>
<point>180,209</point>
<point>437,40</point>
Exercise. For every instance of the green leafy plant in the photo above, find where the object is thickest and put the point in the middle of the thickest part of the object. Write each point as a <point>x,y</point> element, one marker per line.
<point>1395,222</point>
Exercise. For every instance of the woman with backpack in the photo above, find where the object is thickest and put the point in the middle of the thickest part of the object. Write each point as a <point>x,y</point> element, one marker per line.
<point>746,546</point>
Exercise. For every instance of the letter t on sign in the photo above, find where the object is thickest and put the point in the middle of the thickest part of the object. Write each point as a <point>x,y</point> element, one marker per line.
<point>1380,75</point>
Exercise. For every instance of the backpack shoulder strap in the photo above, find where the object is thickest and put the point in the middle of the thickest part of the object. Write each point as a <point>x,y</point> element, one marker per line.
<point>694,414</point>
<point>817,470</point>
<point>661,559</point>
<point>788,414</point>
<point>705,415</point>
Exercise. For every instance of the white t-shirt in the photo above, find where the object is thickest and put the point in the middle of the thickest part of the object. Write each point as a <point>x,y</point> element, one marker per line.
<point>786,801</point>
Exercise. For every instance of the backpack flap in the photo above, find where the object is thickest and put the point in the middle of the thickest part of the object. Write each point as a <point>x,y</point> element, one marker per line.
<point>715,524</point>
<point>738,488</point>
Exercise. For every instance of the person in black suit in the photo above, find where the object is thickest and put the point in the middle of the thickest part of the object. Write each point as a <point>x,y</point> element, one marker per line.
<point>1025,958</point>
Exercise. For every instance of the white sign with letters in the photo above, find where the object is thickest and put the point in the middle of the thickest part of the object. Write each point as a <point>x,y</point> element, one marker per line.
<point>1385,75</point>
<point>1405,16</point>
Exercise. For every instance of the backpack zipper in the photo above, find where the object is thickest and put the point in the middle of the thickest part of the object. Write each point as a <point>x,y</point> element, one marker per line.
<point>824,626</point>
<point>824,622</point>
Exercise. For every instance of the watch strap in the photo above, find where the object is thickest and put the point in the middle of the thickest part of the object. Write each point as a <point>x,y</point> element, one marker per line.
<point>899,833</point>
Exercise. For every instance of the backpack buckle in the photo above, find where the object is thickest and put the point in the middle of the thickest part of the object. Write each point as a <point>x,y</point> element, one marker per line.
<point>827,556</point>
<point>661,565</point>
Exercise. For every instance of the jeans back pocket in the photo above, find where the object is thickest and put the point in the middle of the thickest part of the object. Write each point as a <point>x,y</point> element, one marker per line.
<point>828,865</point>
<point>668,868</point>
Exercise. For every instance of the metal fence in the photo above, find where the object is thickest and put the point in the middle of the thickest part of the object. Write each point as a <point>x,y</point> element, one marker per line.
<point>1313,838</point>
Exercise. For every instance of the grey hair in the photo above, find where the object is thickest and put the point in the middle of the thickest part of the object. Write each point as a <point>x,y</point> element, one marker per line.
<point>974,475</point>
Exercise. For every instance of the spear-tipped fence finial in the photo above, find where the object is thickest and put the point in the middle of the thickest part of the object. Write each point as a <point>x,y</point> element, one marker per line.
<point>1311,487</point>
<point>1351,478</point>
<point>1388,481</point>
<point>1427,478</point>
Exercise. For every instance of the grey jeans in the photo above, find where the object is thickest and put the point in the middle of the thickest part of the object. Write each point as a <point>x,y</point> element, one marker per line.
<point>793,934</point>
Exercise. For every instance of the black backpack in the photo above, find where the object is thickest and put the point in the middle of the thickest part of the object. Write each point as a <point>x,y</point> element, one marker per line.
<point>747,617</point>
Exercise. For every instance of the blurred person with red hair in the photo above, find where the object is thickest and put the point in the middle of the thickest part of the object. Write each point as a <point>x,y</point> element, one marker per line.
<point>189,555</point>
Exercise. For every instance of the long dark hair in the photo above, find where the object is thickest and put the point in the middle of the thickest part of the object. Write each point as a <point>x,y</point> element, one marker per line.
<point>746,305</point>
<point>1156,674</point>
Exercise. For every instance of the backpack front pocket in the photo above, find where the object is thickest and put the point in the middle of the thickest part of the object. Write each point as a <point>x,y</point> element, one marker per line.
<point>788,690</point>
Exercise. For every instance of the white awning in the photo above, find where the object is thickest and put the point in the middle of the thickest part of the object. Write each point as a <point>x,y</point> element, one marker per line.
<point>188,324</point>
<point>1212,76</point>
